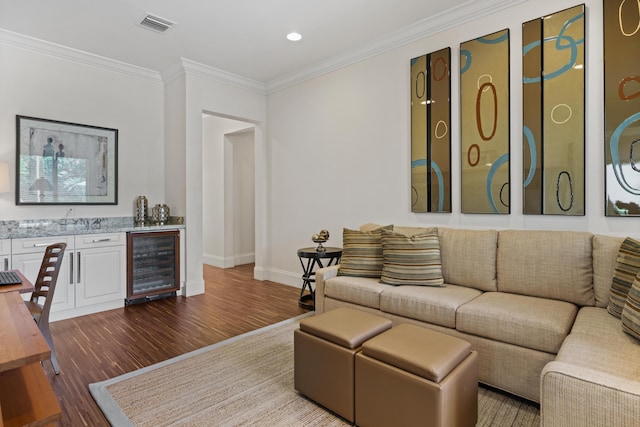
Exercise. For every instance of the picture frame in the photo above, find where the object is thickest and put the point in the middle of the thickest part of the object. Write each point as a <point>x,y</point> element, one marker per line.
<point>485,127</point>
<point>62,163</point>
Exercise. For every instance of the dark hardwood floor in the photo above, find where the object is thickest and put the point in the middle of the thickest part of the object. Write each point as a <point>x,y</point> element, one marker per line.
<point>104,345</point>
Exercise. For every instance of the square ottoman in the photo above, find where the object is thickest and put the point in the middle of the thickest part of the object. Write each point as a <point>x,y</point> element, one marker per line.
<point>410,376</point>
<point>324,350</point>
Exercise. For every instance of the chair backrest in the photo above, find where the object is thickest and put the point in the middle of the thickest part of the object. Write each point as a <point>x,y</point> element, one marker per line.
<point>47,277</point>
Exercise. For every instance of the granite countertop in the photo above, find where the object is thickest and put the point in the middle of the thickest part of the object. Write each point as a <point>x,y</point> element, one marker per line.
<point>71,226</point>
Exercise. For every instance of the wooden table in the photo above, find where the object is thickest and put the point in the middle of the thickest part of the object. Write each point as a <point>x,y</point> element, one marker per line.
<point>23,287</point>
<point>26,397</point>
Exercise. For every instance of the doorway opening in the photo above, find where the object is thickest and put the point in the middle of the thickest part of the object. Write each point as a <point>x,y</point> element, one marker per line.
<point>228,191</point>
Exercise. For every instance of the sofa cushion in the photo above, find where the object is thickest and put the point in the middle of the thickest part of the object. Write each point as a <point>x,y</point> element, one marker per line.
<point>597,342</point>
<point>546,264</point>
<point>631,310</point>
<point>627,266</point>
<point>361,253</point>
<point>356,290</point>
<point>598,322</point>
<point>536,323</point>
<point>436,305</point>
<point>469,257</point>
<point>411,260</point>
<point>605,256</point>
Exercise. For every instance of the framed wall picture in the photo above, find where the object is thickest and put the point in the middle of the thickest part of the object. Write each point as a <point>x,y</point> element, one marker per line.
<point>484,112</point>
<point>621,108</point>
<point>553,113</point>
<point>430,137</point>
<point>60,163</point>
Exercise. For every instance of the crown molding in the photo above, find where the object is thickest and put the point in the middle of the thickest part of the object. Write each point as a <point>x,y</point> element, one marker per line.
<point>172,72</point>
<point>467,12</point>
<point>211,73</point>
<point>43,47</point>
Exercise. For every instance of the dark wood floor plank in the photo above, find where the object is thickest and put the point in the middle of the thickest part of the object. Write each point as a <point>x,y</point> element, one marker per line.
<point>104,345</point>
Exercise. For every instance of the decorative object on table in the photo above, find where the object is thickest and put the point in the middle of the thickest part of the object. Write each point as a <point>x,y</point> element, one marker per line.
<point>621,108</point>
<point>484,132</point>
<point>160,214</point>
<point>553,87</point>
<point>430,136</point>
<point>65,163</point>
<point>141,210</point>
<point>320,238</point>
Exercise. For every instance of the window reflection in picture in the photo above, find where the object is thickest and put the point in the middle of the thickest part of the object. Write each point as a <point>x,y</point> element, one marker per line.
<point>65,163</point>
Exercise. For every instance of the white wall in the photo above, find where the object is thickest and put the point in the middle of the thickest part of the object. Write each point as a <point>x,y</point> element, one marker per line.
<point>206,94</point>
<point>340,145</point>
<point>243,191</point>
<point>160,130</point>
<point>43,86</point>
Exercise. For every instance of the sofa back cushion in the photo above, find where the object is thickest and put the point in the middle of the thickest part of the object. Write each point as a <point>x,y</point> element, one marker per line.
<point>469,257</point>
<point>605,256</point>
<point>546,264</point>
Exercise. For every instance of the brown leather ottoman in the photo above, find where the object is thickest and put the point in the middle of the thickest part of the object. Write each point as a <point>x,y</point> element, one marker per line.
<point>324,349</point>
<point>411,376</point>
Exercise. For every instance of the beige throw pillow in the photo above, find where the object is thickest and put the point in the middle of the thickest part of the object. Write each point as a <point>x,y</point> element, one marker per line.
<point>631,310</point>
<point>411,260</point>
<point>361,253</point>
<point>627,267</point>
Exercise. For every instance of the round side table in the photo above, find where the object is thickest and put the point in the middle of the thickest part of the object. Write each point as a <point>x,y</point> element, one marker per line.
<point>309,259</point>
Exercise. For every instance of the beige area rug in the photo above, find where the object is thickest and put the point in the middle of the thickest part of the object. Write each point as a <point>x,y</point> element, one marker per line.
<point>246,380</point>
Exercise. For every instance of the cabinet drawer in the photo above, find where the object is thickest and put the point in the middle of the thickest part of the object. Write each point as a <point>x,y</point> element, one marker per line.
<point>84,241</point>
<point>37,244</point>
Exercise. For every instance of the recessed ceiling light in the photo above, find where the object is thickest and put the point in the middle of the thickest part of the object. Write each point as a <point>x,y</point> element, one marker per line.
<point>294,37</point>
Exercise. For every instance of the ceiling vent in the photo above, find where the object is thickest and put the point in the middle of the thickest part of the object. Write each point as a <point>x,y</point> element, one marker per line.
<point>155,23</point>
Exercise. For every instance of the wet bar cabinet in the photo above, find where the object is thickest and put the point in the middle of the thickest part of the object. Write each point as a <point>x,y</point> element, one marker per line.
<point>153,265</point>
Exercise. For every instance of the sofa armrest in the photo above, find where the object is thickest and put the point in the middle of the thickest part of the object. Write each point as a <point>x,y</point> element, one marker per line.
<point>323,274</point>
<point>572,395</point>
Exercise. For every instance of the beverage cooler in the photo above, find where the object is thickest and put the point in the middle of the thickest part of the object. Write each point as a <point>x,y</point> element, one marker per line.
<point>153,265</point>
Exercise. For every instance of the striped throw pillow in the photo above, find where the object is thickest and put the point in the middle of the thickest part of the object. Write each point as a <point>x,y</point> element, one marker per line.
<point>627,267</point>
<point>411,260</point>
<point>361,252</point>
<point>631,310</point>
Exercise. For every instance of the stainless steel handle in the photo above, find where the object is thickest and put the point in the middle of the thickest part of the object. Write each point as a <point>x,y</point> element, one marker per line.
<point>6,264</point>
<point>40,245</point>
<point>71,269</point>
<point>78,281</point>
<point>101,240</point>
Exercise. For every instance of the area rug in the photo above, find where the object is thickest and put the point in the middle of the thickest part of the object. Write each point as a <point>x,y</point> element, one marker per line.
<point>243,381</point>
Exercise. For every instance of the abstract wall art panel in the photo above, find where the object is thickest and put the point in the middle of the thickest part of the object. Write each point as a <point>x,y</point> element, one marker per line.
<point>484,112</point>
<point>430,136</point>
<point>553,113</point>
<point>622,107</point>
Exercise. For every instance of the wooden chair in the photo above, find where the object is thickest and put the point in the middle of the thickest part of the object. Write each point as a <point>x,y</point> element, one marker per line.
<point>45,286</point>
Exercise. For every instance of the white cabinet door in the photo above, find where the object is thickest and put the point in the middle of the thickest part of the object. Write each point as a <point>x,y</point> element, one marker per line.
<point>27,257</point>
<point>101,268</point>
<point>5,254</point>
<point>93,273</point>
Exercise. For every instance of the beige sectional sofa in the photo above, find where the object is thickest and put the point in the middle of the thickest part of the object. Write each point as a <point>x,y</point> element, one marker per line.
<point>533,304</point>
